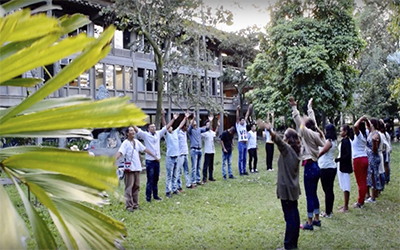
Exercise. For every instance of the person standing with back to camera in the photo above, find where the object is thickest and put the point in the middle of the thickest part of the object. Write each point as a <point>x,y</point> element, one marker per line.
<point>269,144</point>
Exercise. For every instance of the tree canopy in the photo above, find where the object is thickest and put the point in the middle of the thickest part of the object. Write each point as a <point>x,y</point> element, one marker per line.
<point>306,54</point>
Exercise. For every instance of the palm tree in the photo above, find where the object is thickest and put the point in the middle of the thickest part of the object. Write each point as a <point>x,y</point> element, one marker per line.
<point>65,182</point>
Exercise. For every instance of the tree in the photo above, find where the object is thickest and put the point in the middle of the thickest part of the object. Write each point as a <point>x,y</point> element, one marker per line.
<point>306,54</point>
<point>240,48</point>
<point>162,22</point>
<point>376,72</point>
<point>60,179</point>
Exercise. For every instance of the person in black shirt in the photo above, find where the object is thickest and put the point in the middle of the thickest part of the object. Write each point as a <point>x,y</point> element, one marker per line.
<point>227,145</point>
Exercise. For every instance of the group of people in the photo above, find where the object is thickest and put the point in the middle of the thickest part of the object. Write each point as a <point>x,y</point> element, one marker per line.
<point>366,152</point>
<point>364,149</point>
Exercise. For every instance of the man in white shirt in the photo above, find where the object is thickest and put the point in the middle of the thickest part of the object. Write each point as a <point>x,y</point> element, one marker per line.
<point>252,147</point>
<point>130,149</point>
<point>171,161</point>
<point>209,151</point>
<point>151,140</point>
<point>241,129</point>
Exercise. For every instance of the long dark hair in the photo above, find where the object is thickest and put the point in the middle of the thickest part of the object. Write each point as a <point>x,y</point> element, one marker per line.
<point>330,132</point>
<point>311,124</point>
<point>293,140</point>
<point>362,129</point>
<point>375,123</point>
<point>349,131</point>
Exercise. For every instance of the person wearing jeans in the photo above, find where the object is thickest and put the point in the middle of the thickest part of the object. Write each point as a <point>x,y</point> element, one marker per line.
<point>288,187</point>
<point>311,138</point>
<point>226,140</point>
<point>326,162</point>
<point>195,148</point>
<point>171,162</point>
<point>183,165</point>
<point>151,140</point>
<point>241,129</point>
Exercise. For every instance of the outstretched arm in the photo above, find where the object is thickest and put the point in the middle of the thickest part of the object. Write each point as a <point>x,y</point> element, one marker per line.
<point>187,114</point>
<point>163,118</point>
<point>217,128</point>
<point>238,114</point>
<point>272,120</point>
<point>174,117</point>
<point>295,112</point>
<point>248,112</point>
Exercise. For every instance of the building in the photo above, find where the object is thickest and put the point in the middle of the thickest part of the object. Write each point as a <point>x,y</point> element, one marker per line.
<point>121,72</point>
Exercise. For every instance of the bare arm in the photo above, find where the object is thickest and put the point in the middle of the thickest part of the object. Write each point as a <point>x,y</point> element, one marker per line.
<point>150,153</point>
<point>325,149</point>
<point>238,114</point>
<point>295,112</point>
<point>357,124</point>
<point>174,117</point>
<point>163,118</point>
<point>118,155</point>
<point>183,122</point>
<point>217,128</point>
<point>272,120</point>
<point>248,112</point>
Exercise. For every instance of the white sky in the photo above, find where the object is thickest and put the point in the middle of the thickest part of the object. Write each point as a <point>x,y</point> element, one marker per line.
<point>247,12</point>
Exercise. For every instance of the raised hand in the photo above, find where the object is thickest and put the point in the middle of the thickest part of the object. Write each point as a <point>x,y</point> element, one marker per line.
<point>238,107</point>
<point>292,102</point>
<point>309,106</point>
<point>272,114</point>
<point>187,114</point>
<point>176,116</point>
<point>163,111</point>
<point>211,117</point>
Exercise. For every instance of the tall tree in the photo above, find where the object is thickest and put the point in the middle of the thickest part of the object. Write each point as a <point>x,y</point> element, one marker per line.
<point>161,22</point>
<point>306,54</point>
<point>376,72</point>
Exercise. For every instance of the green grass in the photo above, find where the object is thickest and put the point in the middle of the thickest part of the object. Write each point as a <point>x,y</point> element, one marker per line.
<point>244,213</point>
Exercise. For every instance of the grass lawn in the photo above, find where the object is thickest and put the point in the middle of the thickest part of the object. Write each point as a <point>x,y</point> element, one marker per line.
<point>244,213</point>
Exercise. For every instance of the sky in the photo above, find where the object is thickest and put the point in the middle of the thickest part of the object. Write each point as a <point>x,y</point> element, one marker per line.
<point>247,12</point>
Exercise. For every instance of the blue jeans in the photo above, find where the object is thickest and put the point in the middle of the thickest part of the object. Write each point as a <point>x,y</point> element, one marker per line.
<point>227,157</point>
<point>183,165</point>
<point>312,173</point>
<point>153,173</point>
<point>242,148</point>
<point>171,165</point>
<point>195,156</point>
<point>292,219</point>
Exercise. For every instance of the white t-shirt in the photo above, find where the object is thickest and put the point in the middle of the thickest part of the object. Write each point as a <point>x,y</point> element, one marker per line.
<point>241,131</point>
<point>268,137</point>
<point>152,142</point>
<point>208,138</point>
<point>359,145</point>
<point>131,154</point>
<point>252,139</point>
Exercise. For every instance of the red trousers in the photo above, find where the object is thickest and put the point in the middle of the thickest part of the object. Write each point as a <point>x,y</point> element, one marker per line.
<point>360,166</point>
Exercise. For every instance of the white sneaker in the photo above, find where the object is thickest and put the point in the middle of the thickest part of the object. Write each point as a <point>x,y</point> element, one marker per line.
<point>370,200</point>
<point>252,171</point>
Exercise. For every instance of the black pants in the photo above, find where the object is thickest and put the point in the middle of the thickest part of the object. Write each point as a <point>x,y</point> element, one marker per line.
<point>269,150</point>
<point>208,165</point>
<point>292,219</point>
<point>327,180</point>
<point>253,156</point>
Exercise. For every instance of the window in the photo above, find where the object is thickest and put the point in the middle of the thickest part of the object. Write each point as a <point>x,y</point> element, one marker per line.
<point>213,86</point>
<point>140,79</point>
<point>149,80</point>
<point>84,79</point>
<point>128,78</point>
<point>99,74</point>
<point>118,39</point>
<point>127,39</point>
<point>119,77</point>
<point>110,76</point>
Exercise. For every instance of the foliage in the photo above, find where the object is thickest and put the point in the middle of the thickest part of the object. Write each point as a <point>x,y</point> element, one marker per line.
<point>307,55</point>
<point>376,72</point>
<point>171,32</point>
<point>60,179</point>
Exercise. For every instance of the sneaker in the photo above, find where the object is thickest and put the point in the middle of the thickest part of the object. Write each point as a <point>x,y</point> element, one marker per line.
<point>252,171</point>
<point>180,190</point>
<point>130,210</point>
<point>307,226</point>
<point>158,198</point>
<point>224,177</point>
<point>199,183</point>
<point>255,170</point>
<point>245,173</point>
<point>148,199</point>
<point>357,205</point>
<point>212,179</point>
<point>316,223</point>
<point>190,187</point>
<point>232,177</point>
<point>176,192</point>
<point>325,215</point>
<point>370,200</point>
<point>168,195</point>
<point>270,170</point>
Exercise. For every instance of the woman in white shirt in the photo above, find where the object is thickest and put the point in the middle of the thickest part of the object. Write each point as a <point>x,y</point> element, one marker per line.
<point>326,162</point>
<point>360,160</point>
<point>252,148</point>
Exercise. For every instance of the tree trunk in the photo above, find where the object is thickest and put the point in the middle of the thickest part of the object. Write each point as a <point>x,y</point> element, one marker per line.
<point>160,82</point>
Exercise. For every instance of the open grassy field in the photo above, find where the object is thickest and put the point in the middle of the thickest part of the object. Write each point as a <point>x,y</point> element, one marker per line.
<point>244,213</point>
